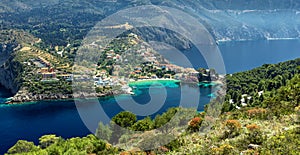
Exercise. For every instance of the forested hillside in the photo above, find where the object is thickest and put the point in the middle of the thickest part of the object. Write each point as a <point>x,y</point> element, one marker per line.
<point>59,22</point>
<point>252,84</point>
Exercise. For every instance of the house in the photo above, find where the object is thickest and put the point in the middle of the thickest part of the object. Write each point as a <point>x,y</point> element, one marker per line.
<point>100,83</point>
<point>68,77</point>
<point>49,75</point>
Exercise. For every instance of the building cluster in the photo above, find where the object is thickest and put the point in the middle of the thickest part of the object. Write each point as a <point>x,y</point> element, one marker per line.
<point>103,79</point>
<point>47,71</point>
<point>111,55</point>
<point>152,66</point>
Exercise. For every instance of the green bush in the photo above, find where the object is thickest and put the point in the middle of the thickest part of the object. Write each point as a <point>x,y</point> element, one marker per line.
<point>125,119</point>
<point>143,125</point>
<point>287,142</point>
<point>23,146</point>
<point>254,134</point>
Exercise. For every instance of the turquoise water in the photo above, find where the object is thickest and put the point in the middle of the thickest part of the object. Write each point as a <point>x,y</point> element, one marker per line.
<point>207,84</point>
<point>155,83</point>
<point>145,84</point>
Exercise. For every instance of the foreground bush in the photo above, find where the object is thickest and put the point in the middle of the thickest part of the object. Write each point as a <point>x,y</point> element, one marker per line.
<point>78,146</point>
<point>232,128</point>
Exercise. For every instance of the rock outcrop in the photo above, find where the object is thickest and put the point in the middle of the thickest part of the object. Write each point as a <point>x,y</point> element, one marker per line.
<point>9,76</point>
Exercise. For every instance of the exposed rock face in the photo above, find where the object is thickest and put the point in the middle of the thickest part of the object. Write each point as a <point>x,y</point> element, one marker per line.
<point>10,69</point>
<point>5,51</point>
<point>9,75</point>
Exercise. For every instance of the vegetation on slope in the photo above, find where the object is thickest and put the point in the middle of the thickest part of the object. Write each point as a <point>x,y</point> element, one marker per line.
<point>270,127</point>
<point>264,79</point>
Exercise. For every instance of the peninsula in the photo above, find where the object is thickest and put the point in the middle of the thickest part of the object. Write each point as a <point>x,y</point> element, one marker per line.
<point>34,73</point>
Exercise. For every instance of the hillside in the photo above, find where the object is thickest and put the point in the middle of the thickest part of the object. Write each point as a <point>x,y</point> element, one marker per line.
<point>269,127</point>
<point>34,73</point>
<point>57,21</point>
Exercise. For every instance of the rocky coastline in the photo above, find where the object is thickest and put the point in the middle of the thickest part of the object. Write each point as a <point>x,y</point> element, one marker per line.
<point>22,97</point>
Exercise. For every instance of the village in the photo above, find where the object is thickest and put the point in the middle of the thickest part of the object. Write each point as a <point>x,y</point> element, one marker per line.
<point>119,65</point>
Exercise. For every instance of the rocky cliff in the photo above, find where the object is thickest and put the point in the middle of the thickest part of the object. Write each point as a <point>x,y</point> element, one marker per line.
<point>9,74</point>
<point>10,68</point>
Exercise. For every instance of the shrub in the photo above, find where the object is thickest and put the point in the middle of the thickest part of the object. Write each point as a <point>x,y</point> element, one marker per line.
<point>254,135</point>
<point>48,140</point>
<point>252,127</point>
<point>232,128</point>
<point>166,141</point>
<point>225,149</point>
<point>195,124</point>
<point>143,125</point>
<point>258,113</point>
<point>233,124</point>
<point>23,146</point>
<point>250,152</point>
<point>284,143</point>
<point>125,119</point>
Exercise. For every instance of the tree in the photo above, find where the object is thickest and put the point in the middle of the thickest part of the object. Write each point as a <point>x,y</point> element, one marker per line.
<point>23,146</point>
<point>48,140</point>
<point>119,122</point>
<point>143,125</point>
<point>103,132</point>
<point>125,119</point>
<point>162,122</point>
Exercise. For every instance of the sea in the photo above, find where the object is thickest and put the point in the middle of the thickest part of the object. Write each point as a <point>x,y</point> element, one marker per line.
<point>30,121</point>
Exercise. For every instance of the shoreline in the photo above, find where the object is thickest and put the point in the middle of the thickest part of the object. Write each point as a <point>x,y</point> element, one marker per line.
<point>28,98</point>
<point>61,97</point>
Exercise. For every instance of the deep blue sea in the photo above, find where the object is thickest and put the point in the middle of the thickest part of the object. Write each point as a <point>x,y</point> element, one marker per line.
<point>30,121</point>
